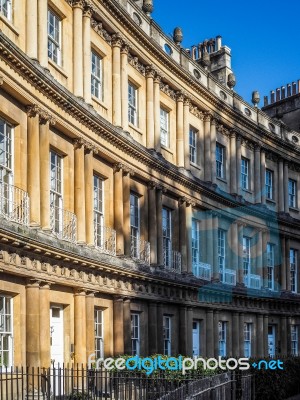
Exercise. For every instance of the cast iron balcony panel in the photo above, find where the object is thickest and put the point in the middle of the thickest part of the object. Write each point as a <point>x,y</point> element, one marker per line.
<point>140,250</point>
<point>63,223</point>
<point>172,260</point>
<point>105,239</point>
<point>229,277</point>
<point>14,203</point>
<point>202,270</point>
<point>252,281</point>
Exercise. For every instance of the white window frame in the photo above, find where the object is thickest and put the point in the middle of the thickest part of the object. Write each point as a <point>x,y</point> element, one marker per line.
<point>54,42</point>
<point>246,258</point>
<point>135,224</point>
<point>98,210</point>
<point>245,163</point>
<point>56,190</point>
<point>193,136</point>
<point>6,8</point>
<point>167,334</point>
<point>292,187</point>
<point>222,338</point>
<point>96,75</point>
<point>6,333</point>
<point>294,270</point>
<point>132,104</point>
<point>247,339</point>
<point>295,340</point>
<point>196,255</point>
<point>220,161</point>
<point>135,334</point>
<point>164,127</point>
<point>269,184</point>
<point>99,333</point>
<point>167,236</point>
<point>6,167</point>
<point>221,253</point>
<point>271,265</point>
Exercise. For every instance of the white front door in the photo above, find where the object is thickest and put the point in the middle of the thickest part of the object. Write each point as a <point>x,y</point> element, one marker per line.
<point>196,338</point>
<point>271,340</point>
<point>57,334</point>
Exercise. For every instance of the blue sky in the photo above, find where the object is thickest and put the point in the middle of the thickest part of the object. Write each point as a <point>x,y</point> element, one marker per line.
<point>264,36</point>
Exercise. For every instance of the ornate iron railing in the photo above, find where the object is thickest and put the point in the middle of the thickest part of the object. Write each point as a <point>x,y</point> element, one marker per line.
<point>202,270</point>
<point>63,223</point>
<point>229,277</point>
<point>172,260</point>
<point>14,203</point>
<point>105,239</point>
<point>140,250</point>
<point>252,281</point>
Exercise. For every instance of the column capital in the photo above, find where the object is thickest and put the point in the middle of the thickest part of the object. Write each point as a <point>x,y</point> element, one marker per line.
<point>150,71</point>
<point>79,292</point>
<point>187,102</point>
<point>152,185</point>
<point>45,285</point>
<point>78,3</point>
<point>207,116</point>
<point>78,143</point>
<point>157,78</point>
<point>32,110</point>
<point>88,9</point>
<point>32,283</point>
<point>125,48</point>
<point>180,96</point>
<point>257,147</point>
<point>117,40</point>
<point>45,117</point>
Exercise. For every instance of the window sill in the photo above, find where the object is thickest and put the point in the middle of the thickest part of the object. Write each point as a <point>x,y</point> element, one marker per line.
<point>221,179</point>
<point>294,209</point>
<point>99,102</point>
<point>247,191</point>
<point>58,68</point>
<point>135,128</point>
<point>271,201</point>
<point>9,24</point>
<point>166,149</point>
<point>195,165</point>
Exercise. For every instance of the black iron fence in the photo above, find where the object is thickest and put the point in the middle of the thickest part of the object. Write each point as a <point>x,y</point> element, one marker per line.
<point>79,383</point>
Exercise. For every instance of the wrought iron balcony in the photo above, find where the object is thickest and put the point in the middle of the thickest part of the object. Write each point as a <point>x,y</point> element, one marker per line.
<point>202,270</point>
<point>63,223</point>
<point>14,203</point>
<point>228,276</point>
<point>172,260</point>
<point>140,250</point>
<point>252,281</point>
<point>105,239</point>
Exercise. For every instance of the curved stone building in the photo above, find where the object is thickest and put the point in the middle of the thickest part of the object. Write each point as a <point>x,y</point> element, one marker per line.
<point>145,207</point>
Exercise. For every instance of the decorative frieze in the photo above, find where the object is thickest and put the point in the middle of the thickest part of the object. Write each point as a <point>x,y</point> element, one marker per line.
<point>165,88</point>
<point>101,31</point>
<point>135,63</point>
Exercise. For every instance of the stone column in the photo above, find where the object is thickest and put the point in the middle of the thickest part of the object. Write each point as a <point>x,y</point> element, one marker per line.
<point>264,259</point>
<point>216,334</point>
<point>238,163</point>
<point>80,326</point>
<point>127,327</point>
<point>216,272</point>
<point>287,263</point>
<point>235,335</point>
<point>33,177</point>
<point>283,264</point>
<point>87,13</point>
<point>90,324</point>
<point>160,257</point>
<point>240,276</point>
<point>126,213</point>
<point>118,324</point>
<point>179,129</point>
<point>283,335</point>
<point>157,81</point>
<point>152,327</point>
<point>233,163</point>
<point>45,356</point>
<point>257,174</point>
<point>124,86</point>
<point>152,222</point>
<point>79,190</point>
<point>118,208</point>
<point>77,48</point>
<point>263,175</point>
<point>260,335</point>
<point>241,333</point>
<point>32,29</point>
<point>182,233</point>
<point>189,340</point>
<point>207,148</point>
<point>160,330</point>
<point>44,172</point>
<point>42,32</point>
<point>89,191</point>
<point>186,132</point>
<point>259,254</point>
<point>150,74</point>
<point>280,185</point>
<point>285,187</point>
<point>265,336</point>
<point>33,324</point>
<point>213,140</point>
<point>182,330</point>
<point>209,333</point>
<point>189,216</point>
<point>235,248</point>
<point>116,79</point>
